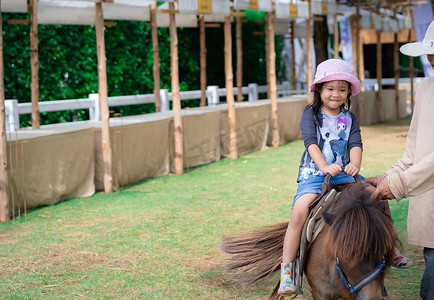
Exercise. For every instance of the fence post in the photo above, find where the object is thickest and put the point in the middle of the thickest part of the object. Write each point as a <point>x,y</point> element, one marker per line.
<point>212,95</point>
<point>253,91</point>
<point>164,98</point>
<point>12,116</point>
<point>94,112</point>
<point>286,88</point>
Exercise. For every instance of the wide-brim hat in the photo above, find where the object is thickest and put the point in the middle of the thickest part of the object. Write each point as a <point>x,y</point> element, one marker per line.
<point>421,48</point>
<point>336,69</point>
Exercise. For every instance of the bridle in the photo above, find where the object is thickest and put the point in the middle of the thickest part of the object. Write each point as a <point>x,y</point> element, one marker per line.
<point>365,280</point>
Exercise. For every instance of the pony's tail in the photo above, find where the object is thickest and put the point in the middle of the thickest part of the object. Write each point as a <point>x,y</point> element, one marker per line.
<point>255,255</point>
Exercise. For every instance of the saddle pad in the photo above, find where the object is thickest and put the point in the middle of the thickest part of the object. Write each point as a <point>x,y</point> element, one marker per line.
<point>316,223</point>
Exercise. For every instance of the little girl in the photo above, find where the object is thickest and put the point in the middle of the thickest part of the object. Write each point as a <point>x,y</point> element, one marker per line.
<point>331,135</point>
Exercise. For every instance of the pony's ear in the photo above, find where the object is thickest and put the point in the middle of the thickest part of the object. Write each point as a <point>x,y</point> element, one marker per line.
<point>328,218</point>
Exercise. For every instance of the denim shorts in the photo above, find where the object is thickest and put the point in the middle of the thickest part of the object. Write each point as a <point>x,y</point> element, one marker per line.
<point>313,184</point>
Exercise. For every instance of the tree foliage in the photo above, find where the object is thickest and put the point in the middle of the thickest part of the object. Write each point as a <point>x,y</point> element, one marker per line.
<point>68,62</point>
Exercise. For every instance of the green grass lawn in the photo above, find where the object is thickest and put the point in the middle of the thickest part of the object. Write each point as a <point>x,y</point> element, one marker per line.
<point>159,239</point>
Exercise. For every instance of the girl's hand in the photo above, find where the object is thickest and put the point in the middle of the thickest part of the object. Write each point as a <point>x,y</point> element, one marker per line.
<point>333,169</point>
<point>351,169</point>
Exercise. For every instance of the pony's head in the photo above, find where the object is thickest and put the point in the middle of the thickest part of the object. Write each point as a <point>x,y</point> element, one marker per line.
<point>360,236</point>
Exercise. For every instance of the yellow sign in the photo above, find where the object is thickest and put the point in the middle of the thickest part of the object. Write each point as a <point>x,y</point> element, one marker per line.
<point>324,8</point>
<point>293,10</point>
<point>204,6</point>
<point>253,4</point>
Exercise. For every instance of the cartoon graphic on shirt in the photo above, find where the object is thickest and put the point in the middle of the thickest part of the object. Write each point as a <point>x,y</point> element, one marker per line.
<point>335,147</point>
<point>342,125</point>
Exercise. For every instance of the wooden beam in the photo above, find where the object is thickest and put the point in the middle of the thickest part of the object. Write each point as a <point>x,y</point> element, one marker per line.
<point>170,11</point>
<point>267,56</point>
<point>396,71</point>
<point>4,184</point>
<point>156,57</point>
<point>357,36</point>
<point>203,79</point>
<point>273,88</point>
<point>233,148</point>
<point>34,63</point>
<point>309,47</point>
<point>174,74</point>
<point>293,77</point>
<point>411,60</point>
<point>102,91</point>
<point>237,14</point>
<point>109,24</point>
<point>213,25</point>
<point>18,21</point>
<point>336,36</point>
<point>379,76</point>
<point>239,45</point>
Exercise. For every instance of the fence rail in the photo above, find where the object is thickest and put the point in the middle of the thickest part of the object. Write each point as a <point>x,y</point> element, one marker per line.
<point>213,94</point>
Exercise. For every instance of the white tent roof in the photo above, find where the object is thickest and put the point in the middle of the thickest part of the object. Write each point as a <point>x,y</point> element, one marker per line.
<point>262,5</point>
<point>14,6</point>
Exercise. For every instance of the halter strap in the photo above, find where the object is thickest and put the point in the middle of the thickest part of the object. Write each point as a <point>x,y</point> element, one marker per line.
<point>365,280</point>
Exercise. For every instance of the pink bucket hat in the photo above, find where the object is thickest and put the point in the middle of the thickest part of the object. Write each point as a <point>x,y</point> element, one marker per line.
<point>336,69</point>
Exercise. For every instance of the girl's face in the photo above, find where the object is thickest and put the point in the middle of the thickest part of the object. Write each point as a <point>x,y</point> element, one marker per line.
<point>333,95</point>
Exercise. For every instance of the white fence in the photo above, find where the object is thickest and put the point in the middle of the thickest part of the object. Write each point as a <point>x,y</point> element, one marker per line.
<point>372,84</point>
<point>213,94</point>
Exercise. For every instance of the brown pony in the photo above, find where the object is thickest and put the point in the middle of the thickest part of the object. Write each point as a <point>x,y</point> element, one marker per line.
<point>358,240</point>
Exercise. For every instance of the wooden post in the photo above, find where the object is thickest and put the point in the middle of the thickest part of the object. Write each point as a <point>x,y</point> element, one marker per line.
<point>4,195</point>
<point>34,62</point>
<point>177,120</point>
<point>379,76</point>
<point>203,78</point>
<point>239,38</point>
<point>233,150</point>
<point>336,39</point>
<point>273,88</point>
<point>267,51</point>
<point>358,41</point>
<point>102,90</point>
<point>156,55</point>
<point>309,47</point>
<point>396,70</point>
<point>411,62</point>
<point>294,76</point>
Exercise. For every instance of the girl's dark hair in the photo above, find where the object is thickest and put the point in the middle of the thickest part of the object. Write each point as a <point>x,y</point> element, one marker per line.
<point>316,104</point>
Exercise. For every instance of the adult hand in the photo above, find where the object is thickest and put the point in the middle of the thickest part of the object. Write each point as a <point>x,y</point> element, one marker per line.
<point>372,180</point>
<point>382,192</point>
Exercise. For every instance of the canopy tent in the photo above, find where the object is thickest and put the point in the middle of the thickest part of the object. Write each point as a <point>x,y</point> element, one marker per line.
<point>184,13</point>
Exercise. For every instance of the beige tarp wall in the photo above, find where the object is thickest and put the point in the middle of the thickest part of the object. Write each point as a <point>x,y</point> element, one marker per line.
<point>140,149</point>
<point>290,110</point>
<point>63,161</point>
<point>201,130</point>
<point>252,126</point>
<point>365,106</point>
<point>47,166</point>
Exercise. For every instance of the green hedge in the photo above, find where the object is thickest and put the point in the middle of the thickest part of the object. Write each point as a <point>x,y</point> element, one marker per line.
<point>68,62</point>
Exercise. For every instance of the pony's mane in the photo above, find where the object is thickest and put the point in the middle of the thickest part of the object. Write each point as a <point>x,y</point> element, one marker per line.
<point>360,230</point>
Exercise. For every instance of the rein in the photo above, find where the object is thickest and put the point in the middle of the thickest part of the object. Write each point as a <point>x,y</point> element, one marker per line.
<point>365,280</point>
